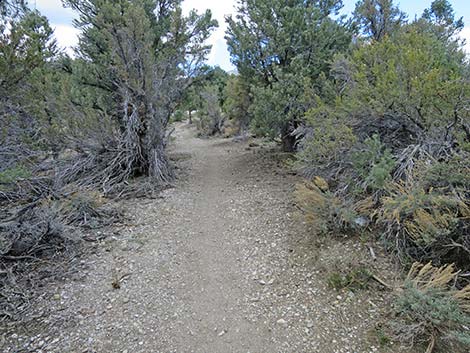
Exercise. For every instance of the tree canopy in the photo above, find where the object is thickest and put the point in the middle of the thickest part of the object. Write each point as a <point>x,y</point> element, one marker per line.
<point>278,47</point>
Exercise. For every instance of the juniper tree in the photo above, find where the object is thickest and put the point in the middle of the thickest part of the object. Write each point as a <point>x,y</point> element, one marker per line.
<point>134,58</point>
<point>439,20</point>
<point>238,101</point>
<point>209,83</point>
<point>26,50</point>
<point>281,48</point>
<point>12,8</point>
<point>377,18</point>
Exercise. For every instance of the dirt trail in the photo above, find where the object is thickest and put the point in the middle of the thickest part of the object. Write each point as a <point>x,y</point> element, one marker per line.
<point>216,264</point>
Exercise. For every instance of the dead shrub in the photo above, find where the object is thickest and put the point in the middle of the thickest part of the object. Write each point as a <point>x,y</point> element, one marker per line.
<point>38,241</point>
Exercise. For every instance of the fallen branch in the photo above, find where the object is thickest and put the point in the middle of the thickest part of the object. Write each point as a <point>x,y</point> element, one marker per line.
<point>382,282</point>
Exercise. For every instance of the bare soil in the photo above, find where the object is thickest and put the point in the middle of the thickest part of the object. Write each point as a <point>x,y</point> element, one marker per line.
<point>221,262</point>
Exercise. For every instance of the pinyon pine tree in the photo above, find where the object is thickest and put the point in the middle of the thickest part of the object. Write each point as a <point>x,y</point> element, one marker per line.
<point>134,60</point>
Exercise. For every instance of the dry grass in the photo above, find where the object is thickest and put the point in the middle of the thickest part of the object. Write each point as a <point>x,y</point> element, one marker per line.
<point>431,309</point>
<point>427,277</point>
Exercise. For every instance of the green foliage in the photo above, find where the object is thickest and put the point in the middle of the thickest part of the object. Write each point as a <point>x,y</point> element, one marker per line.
<point>280,49</point>
<point>383,338</point>
<point>11,9</point>
<point>430,308</point>
<point>178,115</point>
<point>440,20</point>
<point>425,217</point>
<point>353,279</point>
<point>378,18</point>
<point>433,307</point>
<point>426,224</point>
<point>11,175</point>
<point>193,96</point>
<point>374,164</point>
<point>453,172</point>
<point>411,78</point>
<point>268,109</point>
<point>218,78</point>
<point>25,50</point>
<point>327,140</point>
<point>192,99</point>
<point>238,101</point>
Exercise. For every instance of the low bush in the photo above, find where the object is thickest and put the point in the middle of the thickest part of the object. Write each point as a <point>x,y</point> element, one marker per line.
<point>42,237</point>
<point>323,211</point>
<point>430,309</point>
<point>374,164</point>
<point>449,173</point>
<point>211,117</point>
<point>325,143</point>
<point>178,116</point>
<point>426,225</point>
<point>352,278</point>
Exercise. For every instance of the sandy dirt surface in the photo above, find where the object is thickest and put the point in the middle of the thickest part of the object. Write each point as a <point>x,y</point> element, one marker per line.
<point>218,263</point>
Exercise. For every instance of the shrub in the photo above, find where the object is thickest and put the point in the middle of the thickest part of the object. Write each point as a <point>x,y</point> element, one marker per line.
<point>352,278</point>
<point>453,172</point>
<point>15,182</point>
<point>237,103</point>
<point>323,211</point>
<point>178,115</point>
<point>211,118</point>
<point>374,164</point>
<point>426,225</point>
<point>326,141</point>
<point>430,308</point>
<point>85,209</point>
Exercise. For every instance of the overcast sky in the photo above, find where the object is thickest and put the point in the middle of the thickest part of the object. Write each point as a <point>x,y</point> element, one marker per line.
<point>66,34</point>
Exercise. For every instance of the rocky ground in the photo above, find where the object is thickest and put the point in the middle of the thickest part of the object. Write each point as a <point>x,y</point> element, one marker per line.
<point>221,262</point>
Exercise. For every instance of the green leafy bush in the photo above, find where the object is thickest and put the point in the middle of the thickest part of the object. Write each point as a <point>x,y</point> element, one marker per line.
<point>374,163</point>
<point>327,141</point>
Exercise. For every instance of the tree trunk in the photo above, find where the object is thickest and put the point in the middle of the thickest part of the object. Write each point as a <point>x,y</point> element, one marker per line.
<point>145,141</point>
<point>151,159</point>
<point>155,142</point>
<point>288,140</point>
<point>190,117</point>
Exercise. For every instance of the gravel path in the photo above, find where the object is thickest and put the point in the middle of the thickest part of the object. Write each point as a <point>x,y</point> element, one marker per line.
<point>217,264</point>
